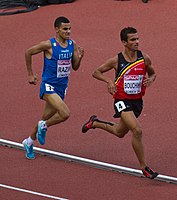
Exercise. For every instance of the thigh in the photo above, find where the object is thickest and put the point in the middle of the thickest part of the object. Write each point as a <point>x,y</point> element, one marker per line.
<point>55,103</point>
<point>129,120</point>
<point>48,111</point>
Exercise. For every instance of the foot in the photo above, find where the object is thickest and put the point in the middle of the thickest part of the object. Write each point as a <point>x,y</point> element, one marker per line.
<point>28,149</point>
<point>41,134</point>
<point>89,125</point>
<point>149,173</point>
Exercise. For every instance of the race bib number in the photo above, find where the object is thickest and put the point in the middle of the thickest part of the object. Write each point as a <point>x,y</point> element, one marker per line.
<point>63,68</point>
<point>132,84</point>
<point>120,105</point>
<point>49,88</point>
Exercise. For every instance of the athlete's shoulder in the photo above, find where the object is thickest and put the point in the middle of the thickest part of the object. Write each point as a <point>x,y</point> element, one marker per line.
<point>147,58</point>
<point>145,55</point>
<point>43,45</point>
<point>71,42</point>
<point>53,42</point>
<point>113,60</point>
<point>140,52</point>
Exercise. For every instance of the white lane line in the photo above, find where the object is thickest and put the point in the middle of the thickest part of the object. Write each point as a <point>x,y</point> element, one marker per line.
<point>88,162</point>
<point>31,192</point>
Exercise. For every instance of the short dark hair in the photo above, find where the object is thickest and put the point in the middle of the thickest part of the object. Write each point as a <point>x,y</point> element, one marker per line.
<point>60,20</point>
<point>125,31</point>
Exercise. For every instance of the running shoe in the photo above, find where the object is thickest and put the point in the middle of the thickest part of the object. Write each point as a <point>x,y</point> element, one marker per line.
<point>41,133</point>
<point>29,150</point>
<point>149,173</point>
<point>89,125</point>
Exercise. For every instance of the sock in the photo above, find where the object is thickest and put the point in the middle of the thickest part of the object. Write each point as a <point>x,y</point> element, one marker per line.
<point>44,126</point>
<point>104,122</point>
<point>29,141</point>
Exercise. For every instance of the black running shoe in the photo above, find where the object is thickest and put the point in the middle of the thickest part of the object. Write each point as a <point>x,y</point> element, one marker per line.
<point>149,173</point>
<point>89,125</point>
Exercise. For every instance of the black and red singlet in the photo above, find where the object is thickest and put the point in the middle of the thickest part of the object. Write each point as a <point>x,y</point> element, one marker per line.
<point>129,78</point>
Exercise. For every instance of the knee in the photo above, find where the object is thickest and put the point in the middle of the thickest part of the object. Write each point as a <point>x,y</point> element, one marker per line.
<point>64,115</point>
<point>67,115</point>
<point>137,132</point>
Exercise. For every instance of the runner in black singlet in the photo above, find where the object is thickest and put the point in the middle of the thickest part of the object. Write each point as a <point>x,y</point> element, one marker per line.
<point>134,72</point>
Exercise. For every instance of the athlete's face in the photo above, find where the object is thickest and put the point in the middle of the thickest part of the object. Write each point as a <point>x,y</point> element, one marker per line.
<point>132,42</point>
<point>64,30</point>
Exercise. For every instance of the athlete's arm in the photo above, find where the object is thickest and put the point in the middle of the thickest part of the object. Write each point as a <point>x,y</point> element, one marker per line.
<point>42,46</point>
<point>77,57</point>
<point>150,71</point>
<point>107,66</point>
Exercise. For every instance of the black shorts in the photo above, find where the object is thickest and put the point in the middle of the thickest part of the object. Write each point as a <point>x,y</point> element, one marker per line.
<point>135,105</point>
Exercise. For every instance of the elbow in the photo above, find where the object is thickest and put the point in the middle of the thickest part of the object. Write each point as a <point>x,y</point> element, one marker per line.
<point>28,53</point>
<point>154,77</point>
<point>75,69</point>
<point>94,74</point>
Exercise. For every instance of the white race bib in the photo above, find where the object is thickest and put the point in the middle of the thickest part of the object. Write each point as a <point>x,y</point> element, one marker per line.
<point>120,105</point>
<point>63,68</point>
<point>132,84</point>
<point>49,88</point>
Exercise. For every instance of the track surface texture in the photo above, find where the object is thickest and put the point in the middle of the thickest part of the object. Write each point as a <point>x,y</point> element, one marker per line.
<point>95,26</point>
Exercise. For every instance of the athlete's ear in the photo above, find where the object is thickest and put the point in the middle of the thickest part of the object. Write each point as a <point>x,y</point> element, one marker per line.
<point>124,42</point>
<point>56,29</point>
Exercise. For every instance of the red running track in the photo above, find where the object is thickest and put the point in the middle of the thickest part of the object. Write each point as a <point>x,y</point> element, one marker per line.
<point>95,26</point>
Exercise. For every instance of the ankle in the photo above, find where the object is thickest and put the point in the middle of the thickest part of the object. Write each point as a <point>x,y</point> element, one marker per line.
<point>44,125</point>
<point>29,141</point>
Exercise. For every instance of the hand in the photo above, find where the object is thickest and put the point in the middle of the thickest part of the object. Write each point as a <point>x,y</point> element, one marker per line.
<point>148,81</point>
<point>111,87</point>
<point>33,79</point>
<point>80,51</point>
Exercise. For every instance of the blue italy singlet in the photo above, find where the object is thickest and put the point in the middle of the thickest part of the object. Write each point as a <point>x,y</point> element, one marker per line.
<point>57,69</point>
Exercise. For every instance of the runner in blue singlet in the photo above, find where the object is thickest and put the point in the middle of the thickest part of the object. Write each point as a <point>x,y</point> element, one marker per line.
<point>60,55</point>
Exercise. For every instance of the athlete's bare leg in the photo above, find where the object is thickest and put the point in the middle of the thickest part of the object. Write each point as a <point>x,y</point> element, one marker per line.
<point>117,129</point>
<point>132,123</point>
<point>127,122</point>
<point>55,111</point>
<point>62,110</point>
